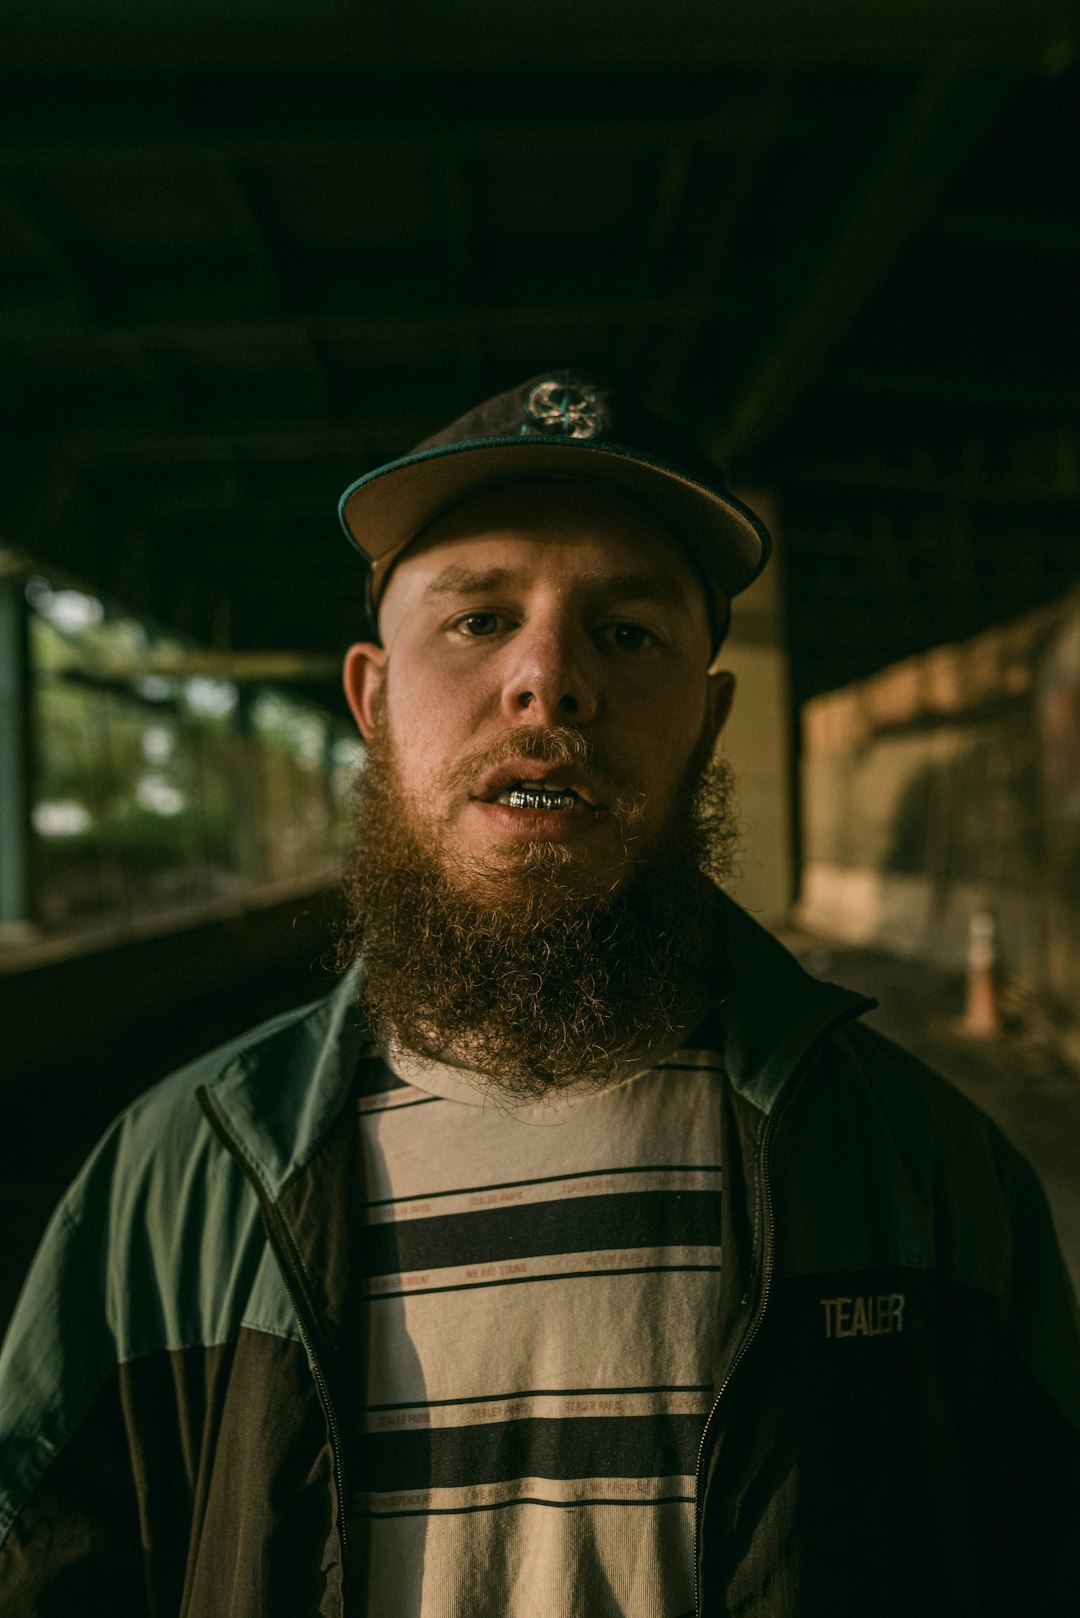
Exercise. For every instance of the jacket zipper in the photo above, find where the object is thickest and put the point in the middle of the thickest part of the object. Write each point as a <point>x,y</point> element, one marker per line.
<point>281,1242</point>
<point>748,1338</point>
<point>766,1271</point>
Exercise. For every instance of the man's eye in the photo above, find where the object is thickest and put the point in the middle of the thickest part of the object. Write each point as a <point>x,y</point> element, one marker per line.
<point>477,624</point>
<point>630,637</point>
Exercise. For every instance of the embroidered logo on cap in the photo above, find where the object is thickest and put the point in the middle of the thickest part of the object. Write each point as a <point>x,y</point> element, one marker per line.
<point>572,409</point>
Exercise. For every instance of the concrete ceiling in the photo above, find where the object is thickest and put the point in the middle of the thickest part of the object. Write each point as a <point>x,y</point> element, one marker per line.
<point>241,264</point>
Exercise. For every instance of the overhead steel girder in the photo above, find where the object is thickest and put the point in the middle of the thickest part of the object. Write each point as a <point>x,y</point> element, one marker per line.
<point>950,112</point>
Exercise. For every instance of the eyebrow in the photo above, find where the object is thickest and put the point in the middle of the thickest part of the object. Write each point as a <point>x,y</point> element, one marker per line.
<point>659,587</point>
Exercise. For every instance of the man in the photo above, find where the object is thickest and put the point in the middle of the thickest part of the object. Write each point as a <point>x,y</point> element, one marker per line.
<point>580,1255</point>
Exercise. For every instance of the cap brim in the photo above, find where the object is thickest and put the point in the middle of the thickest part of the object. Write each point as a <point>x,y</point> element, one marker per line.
<point>386,509</point>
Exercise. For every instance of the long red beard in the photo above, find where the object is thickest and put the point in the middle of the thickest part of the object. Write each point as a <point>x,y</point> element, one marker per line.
<point>526,971</point>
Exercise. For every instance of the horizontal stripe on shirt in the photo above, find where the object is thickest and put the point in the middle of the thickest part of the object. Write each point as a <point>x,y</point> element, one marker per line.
<point>635,1219</point>
<point>547,1188</point>
<point>544,1267</point>
<point>585,1446</point>
<point>538,1404</point>
<point>529,1491</point>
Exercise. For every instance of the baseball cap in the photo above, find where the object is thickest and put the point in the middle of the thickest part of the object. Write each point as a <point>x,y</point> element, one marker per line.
<point>562,424</point>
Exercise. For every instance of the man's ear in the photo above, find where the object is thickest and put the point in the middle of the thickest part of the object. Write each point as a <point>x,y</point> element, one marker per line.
<point>720,694</point>
<point>365,667</point>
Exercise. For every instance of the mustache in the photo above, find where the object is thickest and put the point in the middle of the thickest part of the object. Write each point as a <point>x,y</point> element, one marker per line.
<point>555,745</point>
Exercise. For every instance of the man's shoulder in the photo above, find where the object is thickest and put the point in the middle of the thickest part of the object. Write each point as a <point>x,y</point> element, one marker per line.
<point>165,1127</point>
<point>158,1244</point>
<point>882,1057</point>
<point>906,1087</point>
<point>927,1134</point>
<point>265,1044</point>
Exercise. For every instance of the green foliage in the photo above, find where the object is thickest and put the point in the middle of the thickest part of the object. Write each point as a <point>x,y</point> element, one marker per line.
<point>155,790</point>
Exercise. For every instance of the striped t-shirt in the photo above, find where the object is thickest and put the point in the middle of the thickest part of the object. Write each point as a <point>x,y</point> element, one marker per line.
<point>542,1287</point>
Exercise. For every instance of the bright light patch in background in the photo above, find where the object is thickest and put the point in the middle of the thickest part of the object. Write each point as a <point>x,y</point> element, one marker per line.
<point>299,728</point>
<point>347,758</point>
<point>212,698</point>
<point>154,687</point>
<point>349,753</point>
<point>61,818</point>
<point>128,640</point>
<point>161,781</point>
<point>158,744</point>
<point>70,611</point>
<point>157,796</point>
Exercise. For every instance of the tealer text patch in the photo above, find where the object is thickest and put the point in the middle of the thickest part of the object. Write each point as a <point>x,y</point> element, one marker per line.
<point>871,1316</point>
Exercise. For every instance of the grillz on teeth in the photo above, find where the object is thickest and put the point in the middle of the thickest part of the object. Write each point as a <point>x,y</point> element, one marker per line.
<point>535,795</point>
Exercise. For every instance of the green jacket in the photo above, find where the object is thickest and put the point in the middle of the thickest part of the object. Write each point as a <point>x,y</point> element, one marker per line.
<point>897,1422</point>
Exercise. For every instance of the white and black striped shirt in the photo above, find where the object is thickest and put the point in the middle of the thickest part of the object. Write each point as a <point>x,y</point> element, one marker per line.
<point>542,1287</point>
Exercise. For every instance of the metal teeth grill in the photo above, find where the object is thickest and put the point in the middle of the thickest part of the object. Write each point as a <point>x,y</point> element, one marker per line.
<point>534,798</point>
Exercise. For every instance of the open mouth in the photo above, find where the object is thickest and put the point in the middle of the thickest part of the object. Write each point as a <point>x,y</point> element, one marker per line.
<point>555,789</point>
<point>538,795</point>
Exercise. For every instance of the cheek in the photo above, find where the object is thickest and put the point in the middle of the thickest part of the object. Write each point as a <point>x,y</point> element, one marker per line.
<point>430,726</point>
<point>671,739</point>
<point>670,722</point>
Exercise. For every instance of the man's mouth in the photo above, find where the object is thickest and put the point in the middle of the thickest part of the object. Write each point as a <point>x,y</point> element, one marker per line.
<point>538,795</point>
<point>557,789</point>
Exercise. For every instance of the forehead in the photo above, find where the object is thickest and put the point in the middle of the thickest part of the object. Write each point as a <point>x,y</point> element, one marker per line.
<point>590,533</point>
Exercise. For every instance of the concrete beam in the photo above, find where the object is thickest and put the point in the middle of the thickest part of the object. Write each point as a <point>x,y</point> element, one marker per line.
<point>35,331</point>
<point>429,35</point>
<point>1006,390</point>
<point>950,112</point>
<point>811,472</point>
<point>112,137</point>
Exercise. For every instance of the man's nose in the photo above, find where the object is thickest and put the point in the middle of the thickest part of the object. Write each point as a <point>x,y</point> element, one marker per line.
<point>551,677</point>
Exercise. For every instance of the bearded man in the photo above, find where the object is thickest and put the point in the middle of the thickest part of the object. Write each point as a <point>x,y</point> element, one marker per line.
<point>579,1257</point>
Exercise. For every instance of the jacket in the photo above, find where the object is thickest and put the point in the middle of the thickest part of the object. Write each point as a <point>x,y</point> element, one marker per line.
<point>896,1427</point>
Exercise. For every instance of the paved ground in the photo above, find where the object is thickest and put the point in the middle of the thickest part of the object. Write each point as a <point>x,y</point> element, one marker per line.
<point>1020,1078</point>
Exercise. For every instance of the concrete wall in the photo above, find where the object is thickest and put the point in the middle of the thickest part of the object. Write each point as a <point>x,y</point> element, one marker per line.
<point>1057,712</point>
<point>949,782</point>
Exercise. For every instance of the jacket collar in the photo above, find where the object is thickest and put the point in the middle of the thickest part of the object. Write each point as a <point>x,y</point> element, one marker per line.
<point>281,1094</point>
<point>774,1011</point>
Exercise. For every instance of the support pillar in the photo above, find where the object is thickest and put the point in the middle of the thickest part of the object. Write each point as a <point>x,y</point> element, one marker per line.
<point>757,739</point>
<point>16,766</point>
<point>249,854</point>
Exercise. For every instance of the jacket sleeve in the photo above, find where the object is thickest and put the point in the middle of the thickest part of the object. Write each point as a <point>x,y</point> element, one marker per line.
<point>1026,1438</point>
<point>69,1521</point>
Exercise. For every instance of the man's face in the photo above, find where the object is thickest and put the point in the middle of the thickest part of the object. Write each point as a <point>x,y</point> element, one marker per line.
<point>530,609</point>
